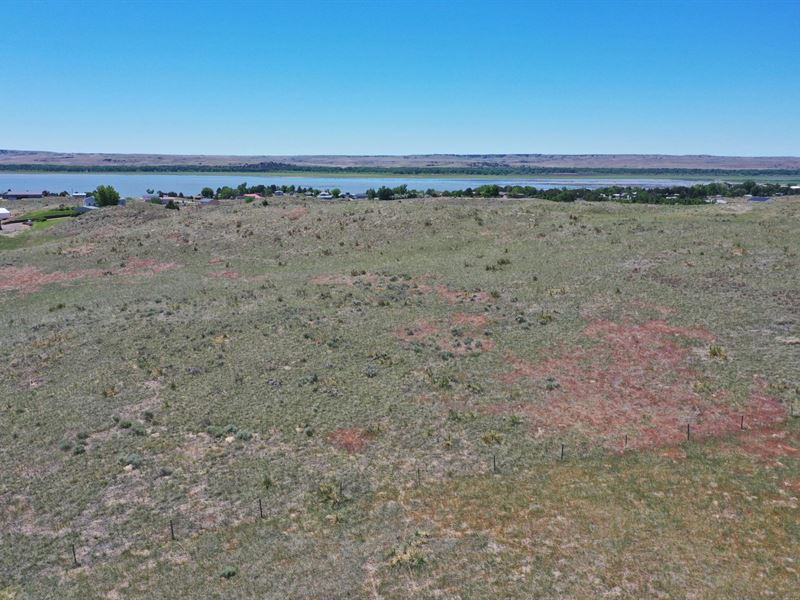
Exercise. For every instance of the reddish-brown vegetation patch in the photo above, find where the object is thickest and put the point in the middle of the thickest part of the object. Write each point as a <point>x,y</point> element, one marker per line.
<point>637,380</point>
<point>144,266</point>
<point>771,445</point>
<point>224,274</point>
<point>350,440</point>
<point>462,334</point>
<point>296,213</point>
<point>469,320</point>
<point>27,280</point>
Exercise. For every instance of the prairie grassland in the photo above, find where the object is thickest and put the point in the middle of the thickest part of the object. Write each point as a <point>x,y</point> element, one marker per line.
<point>439,398</point>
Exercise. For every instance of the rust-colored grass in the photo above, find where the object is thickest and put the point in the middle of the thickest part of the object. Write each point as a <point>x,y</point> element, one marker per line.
<point>636,380</point>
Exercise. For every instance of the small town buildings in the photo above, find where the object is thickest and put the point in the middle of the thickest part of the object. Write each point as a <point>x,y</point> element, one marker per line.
<point>18,195</point>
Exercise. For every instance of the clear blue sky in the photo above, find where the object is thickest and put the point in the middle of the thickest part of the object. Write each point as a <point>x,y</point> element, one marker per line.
<point>401,77</point>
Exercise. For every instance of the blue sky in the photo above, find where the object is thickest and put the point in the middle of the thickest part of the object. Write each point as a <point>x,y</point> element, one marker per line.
<point>401,77</point>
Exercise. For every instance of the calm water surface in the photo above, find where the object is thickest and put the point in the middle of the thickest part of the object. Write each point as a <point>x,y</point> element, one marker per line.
<point>137,184</point>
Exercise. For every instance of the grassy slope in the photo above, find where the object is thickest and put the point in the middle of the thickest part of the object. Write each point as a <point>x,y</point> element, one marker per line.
<point>181,346</point>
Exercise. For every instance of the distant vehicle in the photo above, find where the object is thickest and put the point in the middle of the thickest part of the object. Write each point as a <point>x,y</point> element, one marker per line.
<point>325,196</point>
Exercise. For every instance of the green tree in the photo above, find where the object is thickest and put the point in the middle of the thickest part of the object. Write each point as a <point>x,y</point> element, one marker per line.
<point>226,192</point>
<point>336,192</point>
<point>207,192</point>
<point>106,195</point>
<point>385,193</point>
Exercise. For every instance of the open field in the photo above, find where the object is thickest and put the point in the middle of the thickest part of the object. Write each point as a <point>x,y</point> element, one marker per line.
<point>440,398</point>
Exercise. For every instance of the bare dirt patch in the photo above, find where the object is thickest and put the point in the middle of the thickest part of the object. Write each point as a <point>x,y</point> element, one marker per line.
<point>350,440</point>
<point>224,274</point>
<point>296,213</point>
<point>637,380</point>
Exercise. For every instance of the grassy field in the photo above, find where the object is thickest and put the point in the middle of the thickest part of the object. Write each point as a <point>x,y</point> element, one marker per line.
<point>431,399</point>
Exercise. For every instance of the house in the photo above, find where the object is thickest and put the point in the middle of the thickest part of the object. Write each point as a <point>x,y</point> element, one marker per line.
<point>278,193</point>
<point>11,195</point>
<point>90,202</point>
<point>325,196</point>
<point>4,214</point>
<point>209,202</point>
<point>254,196</point>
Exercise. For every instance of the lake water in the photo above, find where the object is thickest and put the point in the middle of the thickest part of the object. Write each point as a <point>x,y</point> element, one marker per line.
<point>135,185</point>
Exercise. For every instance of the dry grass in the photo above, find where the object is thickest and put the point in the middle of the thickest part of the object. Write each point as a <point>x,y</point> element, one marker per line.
<point>394,382</point>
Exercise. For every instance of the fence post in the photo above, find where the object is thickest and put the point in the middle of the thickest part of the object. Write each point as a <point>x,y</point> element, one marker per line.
<point>171,530</point>
<point>75,556</point>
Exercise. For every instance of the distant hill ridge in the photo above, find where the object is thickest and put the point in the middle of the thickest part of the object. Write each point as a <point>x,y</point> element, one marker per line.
<point>29,159</point>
